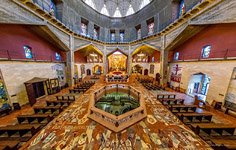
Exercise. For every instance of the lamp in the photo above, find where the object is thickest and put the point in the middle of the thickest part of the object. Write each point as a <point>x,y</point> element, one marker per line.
<point>141,54</point>
<point>93,54</point>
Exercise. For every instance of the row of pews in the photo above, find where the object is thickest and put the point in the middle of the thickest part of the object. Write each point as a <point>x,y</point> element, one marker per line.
<point>82,87</point>
<point>151,86</point>
<point>11,136</point>
<point>219,135</point>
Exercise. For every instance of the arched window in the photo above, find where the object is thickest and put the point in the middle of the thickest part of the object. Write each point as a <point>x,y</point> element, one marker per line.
<point>206,50</point>
<point>122,35</point>
<point>58,56</point>
<point>28,52</point>
<point>181,8</point>
<point>176,56</point>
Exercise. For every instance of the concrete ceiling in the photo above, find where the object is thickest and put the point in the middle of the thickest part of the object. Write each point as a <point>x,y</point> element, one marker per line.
<point>144,49</point>
<point>117,8</point>
<point>85,51</point>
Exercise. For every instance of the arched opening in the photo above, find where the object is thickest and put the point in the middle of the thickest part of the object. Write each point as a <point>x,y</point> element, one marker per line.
<point>145,53</point>
<point>146,72</point>
<point>97,70</point>
<point>199,85</point>
<point>158,78</point>
<point>117,61</point>
<point>88,72</point>
<point>137,69</point>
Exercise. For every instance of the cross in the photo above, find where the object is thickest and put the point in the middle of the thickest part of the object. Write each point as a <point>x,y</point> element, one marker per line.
<point>176,69</point>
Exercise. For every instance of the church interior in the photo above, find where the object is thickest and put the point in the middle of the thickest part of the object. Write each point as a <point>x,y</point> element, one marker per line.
<point>117,74</point>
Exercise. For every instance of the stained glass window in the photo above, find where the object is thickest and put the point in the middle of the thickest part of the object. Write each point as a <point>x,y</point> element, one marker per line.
<point>113,36</point>
<point>181,8</point>
<point>95,33</point>
<point>83,29</point>
<point>122,34</point>
<point>176,56</point>
<point>150,28</point>
<point>206,51</point>
<point>28,52</point>
<point>153,59</point>
<point>139,33</point>
<point>58,56</point>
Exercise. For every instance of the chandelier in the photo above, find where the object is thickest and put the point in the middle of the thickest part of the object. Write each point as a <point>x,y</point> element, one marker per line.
<point>93,54</point>
<point>141,54</point>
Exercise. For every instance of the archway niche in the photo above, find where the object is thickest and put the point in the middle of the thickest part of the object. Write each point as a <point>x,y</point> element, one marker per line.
<point>137,69</point>
<point>199,85</point>
<point>117,61</point>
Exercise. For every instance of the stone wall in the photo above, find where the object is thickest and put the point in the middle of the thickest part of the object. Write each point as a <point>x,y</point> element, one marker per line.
<point>16,73</point>
<point>219,71</point>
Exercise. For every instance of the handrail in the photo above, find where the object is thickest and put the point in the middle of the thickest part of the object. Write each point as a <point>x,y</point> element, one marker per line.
<point>222,55</point>
<point>16,55</point>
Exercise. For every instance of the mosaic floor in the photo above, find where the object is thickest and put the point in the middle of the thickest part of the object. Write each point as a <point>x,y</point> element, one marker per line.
<point>72,130</point>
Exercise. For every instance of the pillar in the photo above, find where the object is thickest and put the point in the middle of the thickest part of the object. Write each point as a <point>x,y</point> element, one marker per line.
<point>105,59</point>
<point>70,62</point>
<point>164,63</point>
<point>129,61</point>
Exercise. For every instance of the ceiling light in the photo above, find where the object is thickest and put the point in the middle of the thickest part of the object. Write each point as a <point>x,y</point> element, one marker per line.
<point>93,54</point>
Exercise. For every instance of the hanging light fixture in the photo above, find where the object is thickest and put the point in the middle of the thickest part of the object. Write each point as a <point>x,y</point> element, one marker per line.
<point>141,54</point>
<point>93,54</point>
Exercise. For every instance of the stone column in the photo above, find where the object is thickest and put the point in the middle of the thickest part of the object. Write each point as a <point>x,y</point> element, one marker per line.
<point>163,62</point>
<point>129,61</point>
<point>70,62</point>
<point>105,59</point>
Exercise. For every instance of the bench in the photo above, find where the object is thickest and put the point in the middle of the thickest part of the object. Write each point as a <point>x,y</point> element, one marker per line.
<point>34,118</point>
<point>5,110</point>
<point>58,103</point>
<point>194,117</point>
<point>77,90</point>
<point>9,145</point>
<point>182,108</point>
<point>224,143</point>
<point>19,132</point>
<point>166,96</point>
<point>69,98</point>
<point>48,109</point>
<point>214,129</point>
<point>172,101</point>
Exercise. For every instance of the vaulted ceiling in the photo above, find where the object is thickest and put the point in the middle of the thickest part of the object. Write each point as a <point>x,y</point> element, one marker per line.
<point>117,8</point>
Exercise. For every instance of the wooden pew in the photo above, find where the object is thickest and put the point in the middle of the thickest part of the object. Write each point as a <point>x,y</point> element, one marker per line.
<point>210,128</point>
<point>34,118</point>
<point>58,103</point>
<point>69,98</point>
<point>172,101</point>
<point>19,132</point>
<point>182,108</point>
<point>5,111</point>
<point>48,109</point>
<point>224,144</point>
<point>77,90</point>
<point>194,117</point>
<point>9,145</point>
<point>166,96</point>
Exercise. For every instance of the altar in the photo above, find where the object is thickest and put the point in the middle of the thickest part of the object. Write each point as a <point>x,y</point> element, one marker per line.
<point>117,76</point>
<point>117,62</point>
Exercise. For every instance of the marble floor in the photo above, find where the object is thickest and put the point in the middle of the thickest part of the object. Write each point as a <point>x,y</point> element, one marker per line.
<point>72,130</point>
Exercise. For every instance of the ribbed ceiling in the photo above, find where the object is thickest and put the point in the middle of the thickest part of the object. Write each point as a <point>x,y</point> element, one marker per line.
<point>117,8</point>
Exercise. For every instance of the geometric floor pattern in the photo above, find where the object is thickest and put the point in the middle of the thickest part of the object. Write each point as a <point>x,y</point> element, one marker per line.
<point>72,130</point>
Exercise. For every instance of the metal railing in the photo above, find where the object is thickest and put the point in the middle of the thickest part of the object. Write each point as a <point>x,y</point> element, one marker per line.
<point>16,55</point>
<point>217,55</point>
<point>44,4</point>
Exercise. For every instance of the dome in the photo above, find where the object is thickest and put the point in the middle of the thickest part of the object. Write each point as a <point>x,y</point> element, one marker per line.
<point>117,8</point>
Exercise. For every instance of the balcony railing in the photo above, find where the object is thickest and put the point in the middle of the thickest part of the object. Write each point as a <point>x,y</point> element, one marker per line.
<point>48,6</point>
<point>15,55</point>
